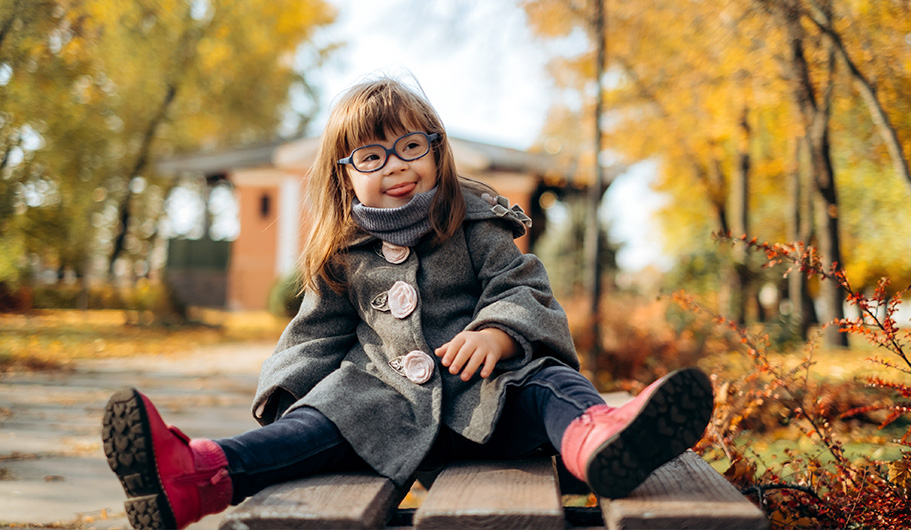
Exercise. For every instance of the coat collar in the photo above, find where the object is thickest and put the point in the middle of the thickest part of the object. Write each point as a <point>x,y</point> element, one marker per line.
<point>478,208</point>
<point>487,206</point>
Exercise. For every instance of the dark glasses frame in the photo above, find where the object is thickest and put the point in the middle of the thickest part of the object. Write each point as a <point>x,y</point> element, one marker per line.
<point>350,158</point>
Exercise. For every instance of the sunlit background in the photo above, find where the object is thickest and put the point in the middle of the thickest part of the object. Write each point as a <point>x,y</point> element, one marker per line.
<point>126,130</point>
<point>152,154</point>
<point>485,72</point>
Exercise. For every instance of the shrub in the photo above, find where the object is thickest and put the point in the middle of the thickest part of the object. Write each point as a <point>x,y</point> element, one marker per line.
<point>284,300</point>
<point>145,297</point>
<point>819,484</point>
<point>641,339</point>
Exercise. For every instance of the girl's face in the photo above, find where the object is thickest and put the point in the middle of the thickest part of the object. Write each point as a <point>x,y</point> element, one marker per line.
<point>397,182</point>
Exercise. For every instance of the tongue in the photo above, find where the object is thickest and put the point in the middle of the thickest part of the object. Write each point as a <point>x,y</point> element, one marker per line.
<point>400,190</point>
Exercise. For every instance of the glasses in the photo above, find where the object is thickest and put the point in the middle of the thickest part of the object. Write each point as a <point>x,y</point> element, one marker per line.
<point>373,157</point>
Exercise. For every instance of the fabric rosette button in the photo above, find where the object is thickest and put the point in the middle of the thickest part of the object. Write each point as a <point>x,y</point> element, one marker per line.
<point>395,254</point>
<point>402,299</point>
<point>417,366</point>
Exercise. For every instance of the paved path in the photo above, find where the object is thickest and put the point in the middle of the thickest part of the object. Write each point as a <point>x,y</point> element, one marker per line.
<point>52,468</point>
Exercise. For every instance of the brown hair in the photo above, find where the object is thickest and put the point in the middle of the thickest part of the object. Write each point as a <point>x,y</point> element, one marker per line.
<point>371,110</point>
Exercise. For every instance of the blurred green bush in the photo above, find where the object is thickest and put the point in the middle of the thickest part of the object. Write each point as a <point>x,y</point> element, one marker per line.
<point>145,297</point>
<point>284,298</point>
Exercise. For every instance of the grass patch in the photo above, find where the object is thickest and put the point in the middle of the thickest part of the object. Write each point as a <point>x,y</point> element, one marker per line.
<point>52,339</point>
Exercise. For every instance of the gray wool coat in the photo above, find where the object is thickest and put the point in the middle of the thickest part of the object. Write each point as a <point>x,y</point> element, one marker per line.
<point>334,355</point>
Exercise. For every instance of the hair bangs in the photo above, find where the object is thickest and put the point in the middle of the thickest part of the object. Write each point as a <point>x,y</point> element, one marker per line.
<point>382,110</point>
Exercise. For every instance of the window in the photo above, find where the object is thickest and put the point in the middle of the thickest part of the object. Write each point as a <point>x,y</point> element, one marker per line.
<point>265,206</point>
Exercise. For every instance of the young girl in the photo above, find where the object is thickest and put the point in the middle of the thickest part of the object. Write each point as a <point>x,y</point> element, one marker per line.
<point>424,335</point>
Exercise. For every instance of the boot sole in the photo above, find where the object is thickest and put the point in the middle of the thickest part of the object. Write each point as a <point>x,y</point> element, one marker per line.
<point>126,437</point>
<point>672,420</point>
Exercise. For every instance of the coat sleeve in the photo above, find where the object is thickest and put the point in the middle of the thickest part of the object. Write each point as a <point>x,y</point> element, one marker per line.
<point>312,346</point>
<point>516,296</point>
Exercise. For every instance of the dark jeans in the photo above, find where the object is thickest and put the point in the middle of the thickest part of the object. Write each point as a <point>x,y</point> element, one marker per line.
<point>304,442</point>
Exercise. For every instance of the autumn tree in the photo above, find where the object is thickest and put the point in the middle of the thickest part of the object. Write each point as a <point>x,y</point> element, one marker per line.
<point>821,67</point>
<point>814,100</point>
<point>735,98</point>
<point>93,91</point>
<point>658,104</point>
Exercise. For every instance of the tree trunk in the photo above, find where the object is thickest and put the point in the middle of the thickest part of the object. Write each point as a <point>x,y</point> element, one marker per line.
<point>829,242</point>
<point>142,158</point>
<point>595,193</point>
<point>815,112</point>
<point>803,312</point>
<point>743,290</point>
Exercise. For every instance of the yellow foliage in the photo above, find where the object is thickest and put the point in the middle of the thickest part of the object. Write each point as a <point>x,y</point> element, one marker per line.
<point>681,77</point>
<point>552,19</point>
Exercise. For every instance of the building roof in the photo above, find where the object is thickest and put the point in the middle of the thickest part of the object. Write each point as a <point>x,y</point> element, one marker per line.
<point>471,157</point>
<point>216,162</point>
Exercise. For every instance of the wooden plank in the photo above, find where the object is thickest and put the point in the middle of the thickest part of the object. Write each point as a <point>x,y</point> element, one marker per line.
<point>501,494</point>
<point>341,500</point>
<point>684,493</point>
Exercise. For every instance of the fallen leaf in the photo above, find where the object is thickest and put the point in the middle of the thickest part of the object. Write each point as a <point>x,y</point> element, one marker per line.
<point>900,471</point>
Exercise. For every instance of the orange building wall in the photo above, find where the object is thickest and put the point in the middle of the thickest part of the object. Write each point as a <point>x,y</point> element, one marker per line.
<point>253,253</point>
<point>252,272</point>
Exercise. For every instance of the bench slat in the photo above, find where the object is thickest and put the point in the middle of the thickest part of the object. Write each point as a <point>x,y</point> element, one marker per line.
<point>340,500</point>
<point>493,494</point>
<point>684,493</point>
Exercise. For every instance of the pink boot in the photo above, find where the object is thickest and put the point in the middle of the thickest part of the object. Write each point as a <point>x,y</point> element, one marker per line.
<point>615,449</point>
<point>171,481</point>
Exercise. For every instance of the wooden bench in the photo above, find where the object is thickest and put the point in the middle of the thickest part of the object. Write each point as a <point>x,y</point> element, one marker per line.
<point>684,493</point>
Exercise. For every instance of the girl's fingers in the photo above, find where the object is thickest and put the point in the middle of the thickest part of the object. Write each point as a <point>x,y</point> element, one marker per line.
<point>441,352</point>
<point>473,364</point>
<point>466,353</point>
<point>449,350</point>
<point>460,358</point>
<point>489,363</point>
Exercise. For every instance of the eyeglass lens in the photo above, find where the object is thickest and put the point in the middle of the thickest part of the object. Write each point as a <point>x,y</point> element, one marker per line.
<point>409,147</point>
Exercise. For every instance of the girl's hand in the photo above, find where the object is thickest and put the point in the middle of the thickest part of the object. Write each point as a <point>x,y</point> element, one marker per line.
<point>470,349</point>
